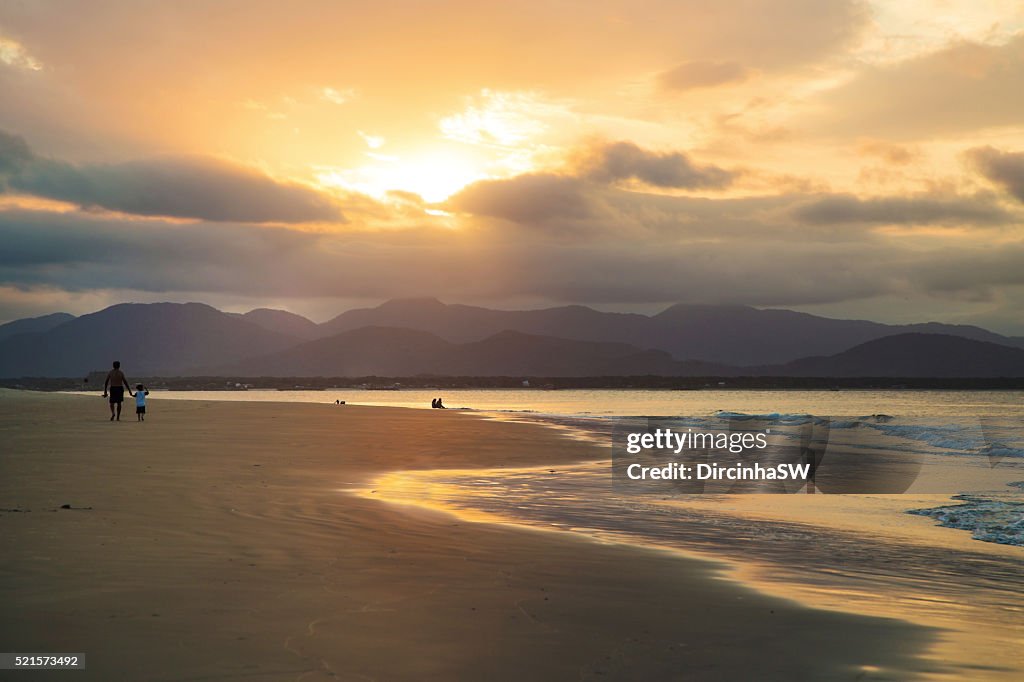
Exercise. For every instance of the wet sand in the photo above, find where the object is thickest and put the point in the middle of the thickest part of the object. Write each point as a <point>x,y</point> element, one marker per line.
<point>215,541</point>
<point>853,553</point>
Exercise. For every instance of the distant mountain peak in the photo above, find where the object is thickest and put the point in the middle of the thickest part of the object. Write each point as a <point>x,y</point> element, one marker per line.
<point>158,305</point>
<point>412,302</point>
<point>34,325</point>
<point>260,311</point>
<point>685,308</point>
<point>914,354</point>
<point>283,322</point>
<point>149,338</point>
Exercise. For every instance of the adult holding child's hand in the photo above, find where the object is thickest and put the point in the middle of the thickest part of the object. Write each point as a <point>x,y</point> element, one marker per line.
<point>117,382</point>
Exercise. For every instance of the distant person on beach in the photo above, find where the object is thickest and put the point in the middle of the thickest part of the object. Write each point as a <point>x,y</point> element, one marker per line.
<point>117,382</point>
<point>439,405</point>
<point>140,402</point>
<point>433,403</point>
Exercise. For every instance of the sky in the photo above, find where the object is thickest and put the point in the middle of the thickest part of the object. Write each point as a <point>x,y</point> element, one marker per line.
<point>845,158</point>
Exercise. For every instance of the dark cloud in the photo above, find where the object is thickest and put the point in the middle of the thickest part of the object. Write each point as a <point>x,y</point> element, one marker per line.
<point>14,154</point>
<point>1005,169</point>
<point>702,74</point>
<point>81,252</point>
<point>571,206</point>
<point>729,251</point>
<point>582,192</point>
<point>530,198</point>
<point>623,161</point>
<point>182,187</point>
<point>972,273</point>
<point>916,210</point>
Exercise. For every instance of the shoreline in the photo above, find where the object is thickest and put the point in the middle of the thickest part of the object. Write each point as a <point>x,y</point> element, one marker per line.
<point>219,529</point>
<point>585,404</point>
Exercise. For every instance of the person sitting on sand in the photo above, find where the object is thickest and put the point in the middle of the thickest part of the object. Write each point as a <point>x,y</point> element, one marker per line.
<point>117,382</point>
<point>440,405</point>
<point>433,403</point>
<point>140,402</point>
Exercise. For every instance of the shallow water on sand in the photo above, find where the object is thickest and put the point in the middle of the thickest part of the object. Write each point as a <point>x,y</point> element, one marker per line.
<point>858,553</point>
<point>892,565</point>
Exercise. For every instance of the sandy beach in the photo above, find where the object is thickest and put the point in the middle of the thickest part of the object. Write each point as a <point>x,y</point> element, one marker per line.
<point>216,541</point>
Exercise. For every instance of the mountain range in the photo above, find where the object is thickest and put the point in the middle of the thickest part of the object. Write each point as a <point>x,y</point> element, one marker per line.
<point>729,334</point>
<point>409,337</point>
<point>33,325</point>
<point>153,339</point>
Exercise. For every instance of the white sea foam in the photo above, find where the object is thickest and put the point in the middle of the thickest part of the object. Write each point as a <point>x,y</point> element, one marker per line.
<point>991,518</point>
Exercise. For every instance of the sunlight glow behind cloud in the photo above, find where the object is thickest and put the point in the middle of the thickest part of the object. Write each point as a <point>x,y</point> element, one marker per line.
<point>500,119</point>
<point>14,54</point>
<point>434,176</point>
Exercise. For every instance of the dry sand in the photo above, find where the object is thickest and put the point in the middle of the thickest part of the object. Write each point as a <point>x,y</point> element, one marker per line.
<point>213,542</point>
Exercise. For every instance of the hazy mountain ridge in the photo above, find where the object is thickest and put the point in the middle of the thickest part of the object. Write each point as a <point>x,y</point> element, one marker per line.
<point>33,325</point>
<point>390,351</point>
<point>729,334</point>
<point>283,322</point>
<point>913,355</point>
<point>188,339</point>
<point>394,351</point>
<point>156,338</point>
